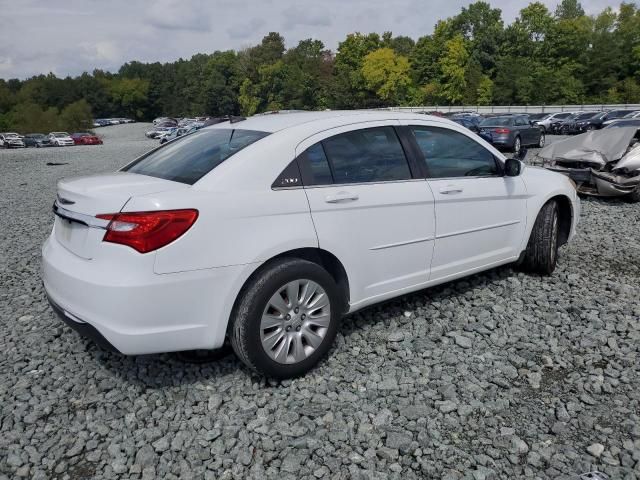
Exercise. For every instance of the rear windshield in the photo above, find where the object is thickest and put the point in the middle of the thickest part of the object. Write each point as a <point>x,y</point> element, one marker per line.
<point>190,158</point>
<point>497,121</point>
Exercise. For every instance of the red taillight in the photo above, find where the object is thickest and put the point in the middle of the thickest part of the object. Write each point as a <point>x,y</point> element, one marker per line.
<point>502,130</point>
<point>147,231</point>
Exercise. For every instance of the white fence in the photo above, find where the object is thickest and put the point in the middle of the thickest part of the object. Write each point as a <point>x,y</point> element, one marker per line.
<point>514,108</point>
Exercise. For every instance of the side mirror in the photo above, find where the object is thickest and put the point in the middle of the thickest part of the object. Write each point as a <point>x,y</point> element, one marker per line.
<point>512,167</point>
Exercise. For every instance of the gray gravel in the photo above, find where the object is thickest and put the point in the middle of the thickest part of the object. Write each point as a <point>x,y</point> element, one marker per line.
<point>501,375</point>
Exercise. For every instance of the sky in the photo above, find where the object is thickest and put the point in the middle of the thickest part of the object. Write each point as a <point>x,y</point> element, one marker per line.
<point>67,37</point>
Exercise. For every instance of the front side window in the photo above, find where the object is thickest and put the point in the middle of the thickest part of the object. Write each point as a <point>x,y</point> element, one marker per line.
<point>450,154</point>
<point>367,155</point>
<point>190,158</point>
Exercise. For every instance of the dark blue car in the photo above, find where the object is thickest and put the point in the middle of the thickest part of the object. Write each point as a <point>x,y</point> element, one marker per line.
<point>512,132</point>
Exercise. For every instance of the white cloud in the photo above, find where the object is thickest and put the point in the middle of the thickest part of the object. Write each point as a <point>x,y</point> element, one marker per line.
<point>71,36</point>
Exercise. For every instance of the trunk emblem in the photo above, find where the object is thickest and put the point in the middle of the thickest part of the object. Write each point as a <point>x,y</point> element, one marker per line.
<point>65,201</point>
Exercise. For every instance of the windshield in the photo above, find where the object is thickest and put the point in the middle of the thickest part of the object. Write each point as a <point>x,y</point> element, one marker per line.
<point>60,134</point>
<point>538,116</point>
<point>584,116</point>
<point>497,121</point>
<point>190,158</point>
<point>617,114</point>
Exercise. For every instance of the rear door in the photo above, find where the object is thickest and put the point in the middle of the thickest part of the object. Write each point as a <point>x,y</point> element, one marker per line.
<point>480,214</point>
<point>370,207</point>
<point>524,129</point>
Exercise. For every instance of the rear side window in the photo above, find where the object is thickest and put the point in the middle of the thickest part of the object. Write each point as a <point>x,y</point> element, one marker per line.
<point>367,155</point>
<point>448,154</point>
<point>190,158</point>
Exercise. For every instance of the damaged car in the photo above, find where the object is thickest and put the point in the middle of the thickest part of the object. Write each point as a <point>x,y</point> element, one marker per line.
<point>602,162</point>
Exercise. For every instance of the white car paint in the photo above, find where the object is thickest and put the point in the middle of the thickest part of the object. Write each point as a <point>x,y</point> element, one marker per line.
<point>391,237</point>
<point>61,139</point>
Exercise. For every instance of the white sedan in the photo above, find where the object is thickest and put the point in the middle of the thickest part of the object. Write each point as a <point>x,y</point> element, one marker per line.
<point>266,231</point>
<point>60,139</point>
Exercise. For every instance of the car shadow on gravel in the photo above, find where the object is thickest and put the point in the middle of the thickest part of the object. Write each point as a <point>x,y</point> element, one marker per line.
<point>169,369</point>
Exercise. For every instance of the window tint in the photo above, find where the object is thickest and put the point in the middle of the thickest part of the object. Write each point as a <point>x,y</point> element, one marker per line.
<point>190,158</point>
<point>450,154</point>
<point>368,155</point>
<point>319,170</point>
<point>520,121</point>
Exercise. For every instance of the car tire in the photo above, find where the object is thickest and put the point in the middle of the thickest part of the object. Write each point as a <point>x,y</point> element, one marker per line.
<point>542,140</point>
<point>257,327</point>
<point>541,255</point>
<point>590,128</point>
<point>634,196</point>
<point>517,145</point>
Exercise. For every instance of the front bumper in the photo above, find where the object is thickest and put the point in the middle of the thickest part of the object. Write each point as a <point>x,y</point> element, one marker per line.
<point>592,182</point>
<point>135,311</point>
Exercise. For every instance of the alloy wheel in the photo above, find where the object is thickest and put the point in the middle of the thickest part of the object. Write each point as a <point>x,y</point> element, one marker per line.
<point>295,321</point>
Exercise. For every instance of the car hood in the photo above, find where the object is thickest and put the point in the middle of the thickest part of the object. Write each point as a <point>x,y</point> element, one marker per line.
<point>598,146</point>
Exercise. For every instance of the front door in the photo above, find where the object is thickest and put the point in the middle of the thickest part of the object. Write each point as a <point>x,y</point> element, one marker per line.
<point>480,214</point>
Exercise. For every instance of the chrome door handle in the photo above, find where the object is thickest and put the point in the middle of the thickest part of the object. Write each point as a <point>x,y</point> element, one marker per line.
<point>450,189</point>
<point>341,197</point>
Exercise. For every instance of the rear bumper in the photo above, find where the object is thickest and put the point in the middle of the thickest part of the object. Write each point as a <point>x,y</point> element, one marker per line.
<point>135,311</point>
<point>83,328</point>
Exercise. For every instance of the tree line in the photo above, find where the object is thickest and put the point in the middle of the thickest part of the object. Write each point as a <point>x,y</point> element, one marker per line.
<point>473,58</point>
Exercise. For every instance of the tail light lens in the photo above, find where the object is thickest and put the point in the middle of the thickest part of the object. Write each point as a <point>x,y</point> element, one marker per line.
<point>502,130</point>
<point>148,231</point>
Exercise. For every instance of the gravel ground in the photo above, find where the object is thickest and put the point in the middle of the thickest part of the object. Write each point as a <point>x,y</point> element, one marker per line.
<point>498,376</point>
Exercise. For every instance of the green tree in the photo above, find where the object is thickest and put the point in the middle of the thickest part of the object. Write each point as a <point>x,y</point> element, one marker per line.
<point>248,99</point>
<point>387,74</point>
<point>129,95</point>
<point>569,9</point>
<point>76,116</point>
<point>453,65</point>
<point>485,91</point>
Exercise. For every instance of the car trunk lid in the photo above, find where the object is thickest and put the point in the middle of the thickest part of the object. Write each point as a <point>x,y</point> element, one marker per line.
<point>80,199</point>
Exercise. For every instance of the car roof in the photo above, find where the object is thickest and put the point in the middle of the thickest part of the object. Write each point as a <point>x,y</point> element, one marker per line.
<point>275,122</point>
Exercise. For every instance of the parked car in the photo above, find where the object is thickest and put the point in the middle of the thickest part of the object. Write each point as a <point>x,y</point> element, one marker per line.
<point>157,131</point>
<point>60,139</point>
<point>548,121</point>
<point>160,120</point>
<point>557,124</point>
<point>85,138</point>
<point>582,122</point>
<point>512,132</point>
<point>11,140</point>
<point>37,140</point>
<point>190,226</point>
<point>170,134</point>
<point>619,114</point>
<point>177,133</point>
<point>467,123</point>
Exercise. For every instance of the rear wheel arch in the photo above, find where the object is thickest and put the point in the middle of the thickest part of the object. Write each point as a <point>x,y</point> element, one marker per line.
<point>322,257</point>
